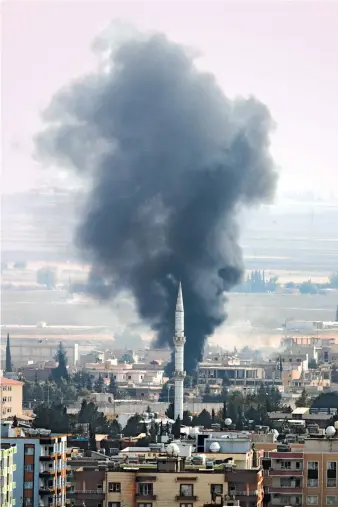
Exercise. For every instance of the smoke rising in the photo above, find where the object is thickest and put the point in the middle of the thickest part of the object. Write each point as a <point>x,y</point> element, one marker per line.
<point>169,159</point>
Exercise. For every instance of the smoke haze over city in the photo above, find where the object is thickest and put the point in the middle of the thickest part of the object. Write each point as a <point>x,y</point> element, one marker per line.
<point>169,160</point>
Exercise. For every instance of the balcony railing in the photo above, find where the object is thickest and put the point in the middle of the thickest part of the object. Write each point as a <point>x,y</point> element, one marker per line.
<point>186,498</point>
<point>89,491</point>
<point>145,496</point>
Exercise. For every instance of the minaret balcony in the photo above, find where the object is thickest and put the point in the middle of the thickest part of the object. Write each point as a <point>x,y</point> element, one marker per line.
<point>179,340</point>
<point>179,374</point>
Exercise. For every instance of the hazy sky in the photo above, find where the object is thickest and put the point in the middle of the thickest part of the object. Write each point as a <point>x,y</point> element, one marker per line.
<point>283,52</point>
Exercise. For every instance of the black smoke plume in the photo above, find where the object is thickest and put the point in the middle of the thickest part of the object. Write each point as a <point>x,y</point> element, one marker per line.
<point>170,160</point>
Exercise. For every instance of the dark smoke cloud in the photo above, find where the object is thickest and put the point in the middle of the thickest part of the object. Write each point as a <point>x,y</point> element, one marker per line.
<point>170,159</point>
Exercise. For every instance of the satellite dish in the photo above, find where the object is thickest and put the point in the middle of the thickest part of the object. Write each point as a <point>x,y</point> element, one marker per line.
<point>173,450</point>
<point>228,421</point>
<point>330,431</point>
<point>214,447</point>
<point>193,432</point>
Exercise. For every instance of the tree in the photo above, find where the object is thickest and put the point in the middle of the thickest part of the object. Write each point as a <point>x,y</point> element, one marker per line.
<point>213,416</point>
<point>334,374</point>
<point>54,417</point>
<point>187,418</point>
<point>204,419</point>
<point>15,422</point>
<point>92,439</point>
<point>334,280</point>
<point>313,364</point>
<point>133,427</point>
<point>170,411</point>
<point>99,385</point>
<point>60,372</point>
<point>8,366</point>
<point>46,276</point>
<point>127,359</point>
<point>308,288</point>
<point>153,432</point>
<point>176,428</point>
<point>303,400</point>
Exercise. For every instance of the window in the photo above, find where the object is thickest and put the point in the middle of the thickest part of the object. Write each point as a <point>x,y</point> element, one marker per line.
<point>186,505</point>
<point>145,489</point>
<point>114,504</point>
<point>312,465</point>
<point>144,505</point>
<point>29,450</point>
<point>331,500</point>
<point>28,502</point>
<point>216,489</point>
<point>286,465</point>
<point>285,483</point>
<point>114,487</point>
<point>312,500</point>
<point>29,468</point>
<point>187,490</point>
<point>312,474</point>
<point>331,474</point>
<point>297,465</point>
<point>28,485</point>
<point>9,398</point>
<point>312,483</point>
<point>9,410</point>
<point>284,500</point>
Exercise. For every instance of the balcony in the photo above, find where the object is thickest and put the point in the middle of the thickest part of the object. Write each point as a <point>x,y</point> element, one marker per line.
<point>47,473</point>
<point>184,498</point>
<point>287,473</point>
<point>289,490</point>
<point>47,490</point>
<point>143,496</point>
<point>89,494</point>
<point>48,457</point>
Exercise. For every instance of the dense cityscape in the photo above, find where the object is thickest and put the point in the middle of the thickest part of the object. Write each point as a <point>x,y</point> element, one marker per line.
<point>169,274</point>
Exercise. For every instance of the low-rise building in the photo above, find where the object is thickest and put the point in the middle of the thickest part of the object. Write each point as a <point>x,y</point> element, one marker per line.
<point>11,397</point>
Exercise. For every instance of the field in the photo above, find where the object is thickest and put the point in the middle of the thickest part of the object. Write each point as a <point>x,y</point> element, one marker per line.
<point>295,243</point>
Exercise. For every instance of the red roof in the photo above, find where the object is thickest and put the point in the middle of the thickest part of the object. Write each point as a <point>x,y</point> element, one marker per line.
<point>9,382</point>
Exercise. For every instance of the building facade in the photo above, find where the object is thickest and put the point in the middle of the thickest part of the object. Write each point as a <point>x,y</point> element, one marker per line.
<point>307,476</point>
<point>41,466</point>
<point>11,397</point>
<point>7,469</point>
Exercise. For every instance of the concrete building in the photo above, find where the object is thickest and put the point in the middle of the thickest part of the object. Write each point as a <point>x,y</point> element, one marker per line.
<point>7,469</point>
<point>306,476</point>
<point>235,375</point>
<point>170,483</point>
<point>41,466</point>
<point>11,397</point>
<point>24,352</point>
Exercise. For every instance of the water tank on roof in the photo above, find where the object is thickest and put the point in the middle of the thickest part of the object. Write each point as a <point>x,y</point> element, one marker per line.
<point>214,447</point>
<point>173,449</point>
<point>330,431</point>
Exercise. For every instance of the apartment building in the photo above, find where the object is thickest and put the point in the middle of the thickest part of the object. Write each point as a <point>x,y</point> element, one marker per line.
<point>10,397</point>
<point>41,466</point>
<point>305,476</point>
<point>236,375</point>
<point>7,468</point>
<point>169,484</point>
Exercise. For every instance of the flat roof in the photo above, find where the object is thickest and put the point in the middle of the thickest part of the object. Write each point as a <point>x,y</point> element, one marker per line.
<point>10,382</point>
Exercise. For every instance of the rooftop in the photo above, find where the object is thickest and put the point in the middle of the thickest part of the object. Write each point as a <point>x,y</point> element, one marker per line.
<point>10,382</point>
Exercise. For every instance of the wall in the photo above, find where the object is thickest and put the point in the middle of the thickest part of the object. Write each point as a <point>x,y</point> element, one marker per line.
<point>130,407</point>
<point>166,487</point>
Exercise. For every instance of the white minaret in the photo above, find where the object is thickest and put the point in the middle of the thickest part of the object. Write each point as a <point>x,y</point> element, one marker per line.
<point>179,341</point>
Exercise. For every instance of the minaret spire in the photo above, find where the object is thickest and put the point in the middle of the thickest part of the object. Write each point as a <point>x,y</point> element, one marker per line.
<point>179,341</point>
<point>8,366</point>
